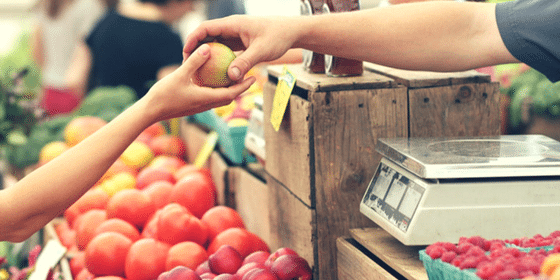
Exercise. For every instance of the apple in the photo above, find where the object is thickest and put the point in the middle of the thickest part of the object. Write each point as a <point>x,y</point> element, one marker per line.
<point>287,267</point>
<point>149,175</point>
<point>179,273</point>
<point>225,260</point>
<point>208,276</point>
<point>168,144</point>
<point>244,269</point>
<point>203,268</point>
<point>213,73</point>
<point>226,276</point>
<point>259,274</point>
<point>258,257</point>
<point>280,252</point>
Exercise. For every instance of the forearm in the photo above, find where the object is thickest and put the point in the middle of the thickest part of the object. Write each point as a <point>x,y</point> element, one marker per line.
<point>48,191</point>
<point>437,36</point>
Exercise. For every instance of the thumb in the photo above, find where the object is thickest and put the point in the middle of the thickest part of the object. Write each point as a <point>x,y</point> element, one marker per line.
<point>196,59</point>
<point>243,63</point>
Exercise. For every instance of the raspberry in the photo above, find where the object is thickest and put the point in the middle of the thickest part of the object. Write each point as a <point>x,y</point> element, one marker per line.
<point>477,241</point>
<point>464,247</point>
<point>507,275</point>
<point>469,262</point>
<point>449,246</point>
<point>555,234</point>
<point>435,252</point>
<point>495,245</point>
<point>475,251</point>
<point>448,256</point>
<point>457,260</point>
<point>486,270</point>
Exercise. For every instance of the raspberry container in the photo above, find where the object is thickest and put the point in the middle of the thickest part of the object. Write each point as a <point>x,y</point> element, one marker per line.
<point>439,270</point>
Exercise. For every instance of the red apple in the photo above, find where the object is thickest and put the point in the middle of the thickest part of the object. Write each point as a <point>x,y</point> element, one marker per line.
<point>248,267</point>
<point>226,276</point>
<point>287,267</point>
<point>208,276</point>
<point>280,252</point>
<point>203,268</point>
<point>258,257</point>
<point>168,144</point>
<point>179,273</point>
<point>259,274</point>
<point>167,162</point>
<point>225,260</point>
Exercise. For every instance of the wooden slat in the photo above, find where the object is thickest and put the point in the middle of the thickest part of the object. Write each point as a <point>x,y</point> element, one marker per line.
<point>194,137</point>
<point>353,264</point>
<point>459,110</point>
<point>346,128</point>
<point>403,259</point>
<point>291,222</point>
<point>218,170</point>
<point>322,82</point>
<point>421,79</point>
<point>251,201</point>
<point>287,150</point>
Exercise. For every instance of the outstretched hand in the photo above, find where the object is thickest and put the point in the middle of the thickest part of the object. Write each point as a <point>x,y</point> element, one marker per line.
<point>177,94</point>
<point>260,39</point>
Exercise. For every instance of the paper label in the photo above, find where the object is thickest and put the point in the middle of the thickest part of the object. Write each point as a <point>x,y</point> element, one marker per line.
<point>206,149</point>
<point>48,258</point>
<point>286,83</point>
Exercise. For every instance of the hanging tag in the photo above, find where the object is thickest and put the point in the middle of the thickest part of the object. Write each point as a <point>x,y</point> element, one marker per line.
<point>206,149</point>
<point>286,83</point>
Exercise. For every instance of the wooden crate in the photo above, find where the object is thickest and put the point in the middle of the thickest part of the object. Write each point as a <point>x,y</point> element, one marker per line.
<point>372,253</point>
<point>323,156</point>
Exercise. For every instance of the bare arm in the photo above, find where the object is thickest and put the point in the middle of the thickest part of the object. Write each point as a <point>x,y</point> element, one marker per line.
<point>46,192</point>
<point>437,36</point>
<point>37,46</point>
<point>79,68</point>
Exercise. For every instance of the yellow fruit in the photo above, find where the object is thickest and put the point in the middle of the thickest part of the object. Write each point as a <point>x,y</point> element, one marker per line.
<point>237,122</point>
<point>550,264</point>
<point>137,155</point>
<point>225,110</point>
<point>213,73</point>
<point>51,150</point>
<point>120,181</point>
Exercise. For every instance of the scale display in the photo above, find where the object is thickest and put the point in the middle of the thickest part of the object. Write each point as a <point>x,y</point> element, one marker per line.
<point>427,190</point>
<point>393,196</point>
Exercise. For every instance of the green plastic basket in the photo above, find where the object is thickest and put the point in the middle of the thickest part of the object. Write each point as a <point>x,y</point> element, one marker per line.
<point>231,140</point>
<point>439,270</point>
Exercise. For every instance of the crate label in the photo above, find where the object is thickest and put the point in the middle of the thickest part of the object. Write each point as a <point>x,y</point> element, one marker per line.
<point>206,149</point>
<point>286,83</point>
<point>48,258</point>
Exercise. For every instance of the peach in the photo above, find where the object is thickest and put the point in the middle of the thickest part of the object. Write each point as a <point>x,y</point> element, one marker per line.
<point>137,155</point>
<point>213,73</point>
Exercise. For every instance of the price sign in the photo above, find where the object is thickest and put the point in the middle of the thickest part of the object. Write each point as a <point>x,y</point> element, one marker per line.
<point>286,83</point>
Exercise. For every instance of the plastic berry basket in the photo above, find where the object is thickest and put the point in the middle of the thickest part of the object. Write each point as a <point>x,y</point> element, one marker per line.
<point>231,140</point>
<point>439,270</point>
<point>529,249</point>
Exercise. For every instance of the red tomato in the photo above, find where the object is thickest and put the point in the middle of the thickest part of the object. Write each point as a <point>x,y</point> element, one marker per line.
<point>220,218</point>
<point>86,224</point>
<point>146,259</point>
<point>188,254</point>
<point>77,263</point>
<point>106,254</point>
<point>244,241</point>
<point>121,226</point>
<point>196,191</point>
<point>131,205</point>
<point>176,224</point>
<point>159,192</point>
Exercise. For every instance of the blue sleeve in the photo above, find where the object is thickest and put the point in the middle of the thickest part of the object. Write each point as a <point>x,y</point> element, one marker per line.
<point>530,30</point>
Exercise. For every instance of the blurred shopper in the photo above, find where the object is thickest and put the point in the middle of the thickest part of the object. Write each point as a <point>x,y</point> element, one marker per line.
<point>432,36</point>
<point>135,45</point>
<point>60,25</point>
<point>45,193</point>
<point>223,8</point>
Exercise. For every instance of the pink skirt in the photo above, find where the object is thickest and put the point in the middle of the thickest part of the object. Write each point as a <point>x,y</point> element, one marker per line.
<point>59,100</point>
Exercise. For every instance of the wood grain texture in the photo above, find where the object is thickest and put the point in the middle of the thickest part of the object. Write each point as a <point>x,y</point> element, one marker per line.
<point>291,222</point>
<point>346,127</point>
<point>288,149</point>
<point>403,259</point>
<point>218,170</point>
<point>457,110</point>
<point>353,264</point>
<point>251,200</point>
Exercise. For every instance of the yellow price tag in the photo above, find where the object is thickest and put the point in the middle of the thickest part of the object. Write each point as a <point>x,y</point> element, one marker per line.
<point>286,83</point>
<point>206,149</point>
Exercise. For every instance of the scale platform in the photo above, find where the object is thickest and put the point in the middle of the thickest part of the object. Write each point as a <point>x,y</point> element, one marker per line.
<point>427,190</point>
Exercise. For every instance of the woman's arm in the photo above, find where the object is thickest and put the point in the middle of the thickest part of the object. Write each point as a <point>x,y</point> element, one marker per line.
<point>45,193</point>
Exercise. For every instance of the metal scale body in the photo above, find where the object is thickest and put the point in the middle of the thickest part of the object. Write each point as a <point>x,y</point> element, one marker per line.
<point>427,190</point>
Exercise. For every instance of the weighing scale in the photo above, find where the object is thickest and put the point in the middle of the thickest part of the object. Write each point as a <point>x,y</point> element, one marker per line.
<point>427,190</point>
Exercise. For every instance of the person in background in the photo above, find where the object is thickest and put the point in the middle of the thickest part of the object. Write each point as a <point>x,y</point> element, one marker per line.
<point>134,45</point>
<point>223,8</point>
<point>45,193</point>
<point>439,36</point>
<point>60,25</point>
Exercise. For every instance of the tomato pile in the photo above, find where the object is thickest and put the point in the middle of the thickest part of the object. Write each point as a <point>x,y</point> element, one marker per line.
<point>153,215</point>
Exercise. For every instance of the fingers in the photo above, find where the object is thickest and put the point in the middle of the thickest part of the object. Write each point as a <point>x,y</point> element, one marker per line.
<point>244,62</point>
<point>197,59</point>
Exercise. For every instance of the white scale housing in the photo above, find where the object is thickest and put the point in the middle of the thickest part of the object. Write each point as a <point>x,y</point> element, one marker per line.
<point>427,190</point>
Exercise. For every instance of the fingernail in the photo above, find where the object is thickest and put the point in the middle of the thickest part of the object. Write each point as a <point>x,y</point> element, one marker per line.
<point>204,49</point>
<point>236,73</point>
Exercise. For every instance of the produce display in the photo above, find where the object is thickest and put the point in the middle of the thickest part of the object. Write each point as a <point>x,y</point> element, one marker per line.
<point>154,216</point>
<point>478,258</point>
